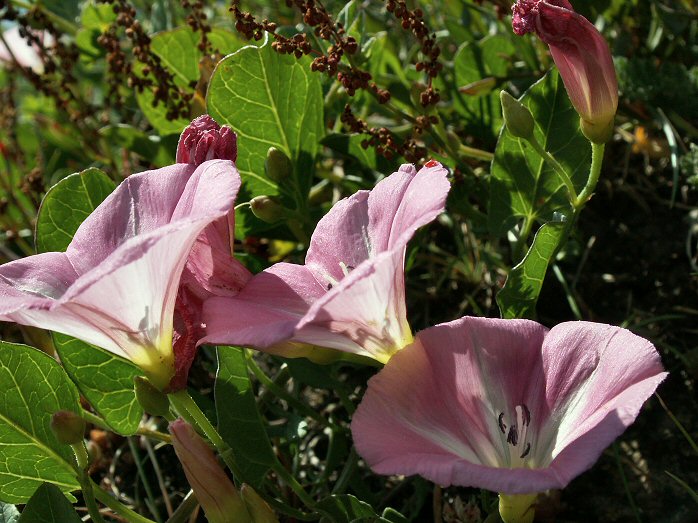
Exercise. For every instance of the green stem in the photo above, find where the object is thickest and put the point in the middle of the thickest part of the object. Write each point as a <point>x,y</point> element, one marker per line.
<point>557,166</point>
<point>281,393</point>
<point>85,482</point>
<point>142,431</point>
<point>116,507</point>
<point>146,483</point>
<point>349,467</point>
<point>626,486</point>
<point>185,509</point>
<point>62,23</point>
<point>297,488</point>
<point>597,151</point>
<point>190,411</point>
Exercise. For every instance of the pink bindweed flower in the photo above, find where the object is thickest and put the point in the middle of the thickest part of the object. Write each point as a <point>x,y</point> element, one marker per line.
<point>582,56</point>
<point>350,294</point>
<point>505,405</point>
<point>215,492</point>
<point>117,283</point>
<point>211,269</point>
<point>16,49</point>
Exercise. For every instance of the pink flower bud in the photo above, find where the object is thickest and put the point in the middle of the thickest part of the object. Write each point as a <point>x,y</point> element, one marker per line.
<point>205,140</point>
<point>215,492</point>
<point>582,56</point>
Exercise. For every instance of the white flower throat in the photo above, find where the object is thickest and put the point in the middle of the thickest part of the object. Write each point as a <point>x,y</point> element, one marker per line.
<point>517,444</point>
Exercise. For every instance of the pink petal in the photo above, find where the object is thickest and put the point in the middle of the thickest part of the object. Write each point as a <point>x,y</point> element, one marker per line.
<point>364,314</point>
<point>441,407</point>
<point>138,244</point>
<point>599,402</point>
<point>267,309</point>
<point>368,223</point>
<point>141,203</point>
<point>340,237</point>
<point>405,201</point>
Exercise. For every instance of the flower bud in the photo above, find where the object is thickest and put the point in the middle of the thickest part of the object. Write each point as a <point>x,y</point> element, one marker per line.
<point>204,139</point>
<point>517,116</point>
<point>213,489</point>
<point>267,209</point>
<point>68,427</point>
<point>517,508</point>
<point>479,87</point>
<point>277,165</point>
<point>152,400</point>
<point>582,56</point>
<point>260,511</point>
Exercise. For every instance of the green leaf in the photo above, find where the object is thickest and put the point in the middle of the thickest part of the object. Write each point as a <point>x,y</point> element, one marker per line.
<point>270,100</point>
<point>104,379</point>
<point>68,10</point>
<point>49,505</point>
<point>239,422</point>
<point>152,148</point>
<point>491,57</point>
<point>345,508</point>
<point>66,205</point>
<point>519,296</point>
<point>8,513</point>
<point>33,386</point>
<point>522,185</point>
<point>178,50</point>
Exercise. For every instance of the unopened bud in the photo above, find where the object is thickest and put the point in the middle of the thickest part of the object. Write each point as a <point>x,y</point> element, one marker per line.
<point>479,87</point>
<point>68,427</point>
<point>260,511</point>
<point>267,209</point>
<point>215,492</point>
<point>597,132</point>
<point>517,117</point>
<point>204,140</point>
<point>152,400</point>
<point>277,165</point>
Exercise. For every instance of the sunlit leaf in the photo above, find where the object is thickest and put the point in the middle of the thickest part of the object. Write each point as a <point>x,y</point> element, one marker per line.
<point>104,379</point>
<point>66,205</point>
<point>522,186</point>
<point>270,100</point>
<point>519,296</point>
<point>33,386</point>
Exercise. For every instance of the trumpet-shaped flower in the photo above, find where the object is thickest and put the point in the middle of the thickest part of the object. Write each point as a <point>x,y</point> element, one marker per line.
<point>504,405</point>
<point>582,56</point>
<point>117,283</point>
<point>350,294</point>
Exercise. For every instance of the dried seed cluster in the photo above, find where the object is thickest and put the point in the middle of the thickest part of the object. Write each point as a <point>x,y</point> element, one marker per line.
<point>383,140</point>
<point>316,16</point>
<point>153,74</point>
<point>412,20</point>
<point>57,80</point>
<point>196,19</point>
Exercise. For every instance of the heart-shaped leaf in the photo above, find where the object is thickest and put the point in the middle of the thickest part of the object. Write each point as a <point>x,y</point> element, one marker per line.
<point>33,386</point>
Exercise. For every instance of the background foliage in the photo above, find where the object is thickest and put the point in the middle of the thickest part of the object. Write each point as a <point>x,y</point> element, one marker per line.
<point>122,79</point>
